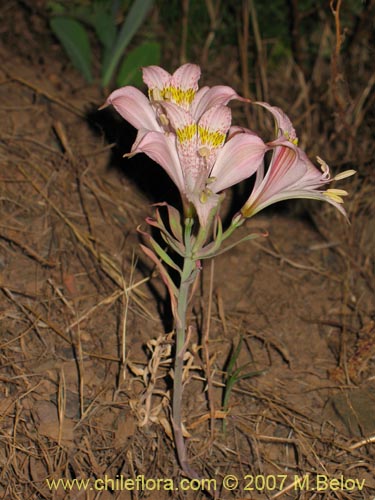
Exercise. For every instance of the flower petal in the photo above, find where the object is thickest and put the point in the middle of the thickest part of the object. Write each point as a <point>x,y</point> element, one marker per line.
<point>291,175</point>
<point>205,207</point>
<point>181,121</point>
<point>303,193</point>
<point>289,167</point>
<point>283,123</point>
<point>185,128</point>
<point>134,106</point>
<point>213,127</point>
<point>162,149</point>
<point>186,77</point>
<point>155,77</point>
<point>207,97</point>
<point>240,158</point>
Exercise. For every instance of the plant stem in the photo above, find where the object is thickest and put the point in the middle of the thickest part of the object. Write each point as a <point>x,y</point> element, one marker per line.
<point>188,274</point>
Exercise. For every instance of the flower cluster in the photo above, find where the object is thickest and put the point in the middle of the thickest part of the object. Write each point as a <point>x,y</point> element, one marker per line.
<point>188,131</point>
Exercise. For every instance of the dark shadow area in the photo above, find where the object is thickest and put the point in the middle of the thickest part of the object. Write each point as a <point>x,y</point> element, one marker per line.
<point>148,176</point>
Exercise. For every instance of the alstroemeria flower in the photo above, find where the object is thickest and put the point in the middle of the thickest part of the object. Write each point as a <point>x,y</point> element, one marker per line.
<point>291,174</point>
<point>181,89</point>
<point>198,159</point>
<point>184,130</point>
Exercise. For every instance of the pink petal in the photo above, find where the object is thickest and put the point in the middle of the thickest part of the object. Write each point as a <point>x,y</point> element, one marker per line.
<point>313,177</point>
<point>284,125</point>
<point>308,194</point>
<point>156,77</point>
<point>132,105</point>
<point>240,157</point>
<point>208,97</point>
<point>212,129</point>
<point>186,77</point>
<point>216,119</point>
<point>179,118</point>
<point>289,164</point>
<point>194,166</point>
<point>235,129</point>
<point>290,175</point>
<point>162,149</point>
<point>204,209</point>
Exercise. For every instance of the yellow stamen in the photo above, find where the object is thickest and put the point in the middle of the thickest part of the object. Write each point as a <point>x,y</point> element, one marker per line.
<point>164,119</point>
<point>339,192</point>
<point>167,94</point>
<point>333,196</point>
<point>345,174</point>
<point>205,194</point>
<point>155,94</point>
<point>204,151</point>
<point>323,165</point>
<point>293,141</point>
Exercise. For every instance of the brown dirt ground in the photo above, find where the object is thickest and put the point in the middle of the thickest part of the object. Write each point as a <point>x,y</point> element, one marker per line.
<point>76,293</point>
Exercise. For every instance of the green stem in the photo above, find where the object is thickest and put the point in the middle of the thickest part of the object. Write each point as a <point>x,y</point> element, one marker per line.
<point>188,274</point>
<point>235,224</point>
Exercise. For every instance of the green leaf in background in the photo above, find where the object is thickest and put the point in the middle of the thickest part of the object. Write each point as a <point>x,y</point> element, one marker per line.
<point>75,41</point>
<point>134,19</point>
<point>55,8</point>
<point>146,54</point>
<point>104,23</point>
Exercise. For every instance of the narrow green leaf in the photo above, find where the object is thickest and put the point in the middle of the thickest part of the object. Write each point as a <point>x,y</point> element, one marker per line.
<point>104,24</point>
<point>55,8</point>
<point>174,218</point>
<point>163,255</point>
<point>234,357</point>
<point>210,251</point>
<point>171,287</point>
<point>251,374</point>
<point>177,246</point>
<point>74,39</point>
<point>146,54</point>
<point>135,18</point>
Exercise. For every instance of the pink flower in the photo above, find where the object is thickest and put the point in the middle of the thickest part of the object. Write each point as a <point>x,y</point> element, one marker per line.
<point>185,130</point>
<point>290,173</point>
<point>181,89</point>
<point>197,157</point>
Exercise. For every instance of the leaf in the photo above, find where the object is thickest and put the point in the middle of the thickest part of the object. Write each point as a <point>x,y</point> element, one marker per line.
<point>210,250</point>
<point>133,21</point>
<point>146,54</point>
<point>174,218</point>
<point>234,357</point>
<point>171,287</point>
<point>168,238</point>
<point>104,24</point>
<point>73,37</point>
<point>163,255</point>
<point>55,8</point>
